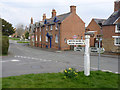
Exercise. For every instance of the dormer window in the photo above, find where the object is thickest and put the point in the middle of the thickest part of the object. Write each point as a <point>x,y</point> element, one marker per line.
<point>117,28</point>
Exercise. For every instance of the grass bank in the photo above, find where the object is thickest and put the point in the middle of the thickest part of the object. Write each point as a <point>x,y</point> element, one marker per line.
<point>14,38</point>
<point>23,42</point>
<point>97,79</point>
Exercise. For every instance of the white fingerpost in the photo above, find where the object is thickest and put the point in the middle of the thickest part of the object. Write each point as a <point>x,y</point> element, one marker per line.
<point>87,56</point>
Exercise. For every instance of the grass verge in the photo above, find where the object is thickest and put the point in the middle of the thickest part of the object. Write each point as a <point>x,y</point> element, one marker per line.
<point>97,79</point>
<point>23,42</point>
<point>14,38</point>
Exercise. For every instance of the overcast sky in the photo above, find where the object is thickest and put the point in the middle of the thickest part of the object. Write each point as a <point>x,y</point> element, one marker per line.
<point>20,11</point>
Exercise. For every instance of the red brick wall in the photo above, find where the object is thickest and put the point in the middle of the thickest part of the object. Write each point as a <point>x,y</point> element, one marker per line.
<point>93,26</point>
<point>108,40</point>
<point>72,25</point>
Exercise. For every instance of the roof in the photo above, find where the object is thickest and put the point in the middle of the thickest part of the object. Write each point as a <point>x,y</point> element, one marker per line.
<point>112,18</point>
<point>50,21</point>
<point>100,21</point>
<point>59,17</point>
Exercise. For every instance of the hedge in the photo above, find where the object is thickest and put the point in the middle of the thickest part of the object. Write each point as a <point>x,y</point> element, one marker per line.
<point>5,45</point>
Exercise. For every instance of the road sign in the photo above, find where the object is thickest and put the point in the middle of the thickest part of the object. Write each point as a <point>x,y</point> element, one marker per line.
<point>75,42</point>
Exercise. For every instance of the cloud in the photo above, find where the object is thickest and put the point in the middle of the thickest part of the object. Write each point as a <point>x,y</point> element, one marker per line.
<point>20,11</point>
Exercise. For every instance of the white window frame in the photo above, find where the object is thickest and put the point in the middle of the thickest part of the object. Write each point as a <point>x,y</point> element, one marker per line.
<point>46,39</point>
<point>40,38</point>
<point>56,38</point>
<point>115,41</point>
<point>40,29</point>
<point>56,27</point>
<point>116,29</point>
<point>51,27</point>
<point>46,28</point>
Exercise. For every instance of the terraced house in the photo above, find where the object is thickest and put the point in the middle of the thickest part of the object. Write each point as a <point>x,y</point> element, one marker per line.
<point>55,31</point>
<point>111,30</point>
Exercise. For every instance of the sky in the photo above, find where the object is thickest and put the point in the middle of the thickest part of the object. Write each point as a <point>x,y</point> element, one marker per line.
<point>20,11</point>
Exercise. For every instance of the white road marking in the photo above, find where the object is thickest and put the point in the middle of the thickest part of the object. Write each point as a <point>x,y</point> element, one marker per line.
<point>15,60</point>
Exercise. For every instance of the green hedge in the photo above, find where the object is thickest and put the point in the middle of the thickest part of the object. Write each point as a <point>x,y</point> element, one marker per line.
<point>5,45</point>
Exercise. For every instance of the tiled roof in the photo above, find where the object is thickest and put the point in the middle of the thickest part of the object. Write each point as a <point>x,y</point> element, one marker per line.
<point>112,18</point>
<point>50,21</point>
<point>100,21</point>
<point>59,17</point>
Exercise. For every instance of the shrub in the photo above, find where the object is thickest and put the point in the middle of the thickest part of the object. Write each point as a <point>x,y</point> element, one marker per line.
<point>5,45</point>
<point>70,73</point>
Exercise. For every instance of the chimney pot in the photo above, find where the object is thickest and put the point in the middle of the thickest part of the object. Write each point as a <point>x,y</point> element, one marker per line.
<point>44,16</point>
<point>31,20</point>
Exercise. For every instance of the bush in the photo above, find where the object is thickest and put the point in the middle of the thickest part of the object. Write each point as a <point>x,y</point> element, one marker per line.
<point>70,73</point>
<point>5,45</point>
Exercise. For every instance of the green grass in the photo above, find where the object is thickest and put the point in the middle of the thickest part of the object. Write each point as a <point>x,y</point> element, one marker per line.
<point>14,38</point>
<point>97,79</point>
<point>23,42</point>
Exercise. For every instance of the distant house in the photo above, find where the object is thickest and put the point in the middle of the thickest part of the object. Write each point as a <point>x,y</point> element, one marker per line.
<point>96,26</point>
<point>111,30</point>
<point>55,31</point>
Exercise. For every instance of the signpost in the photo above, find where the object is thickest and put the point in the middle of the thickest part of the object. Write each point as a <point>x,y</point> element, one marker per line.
<point>75,42</point>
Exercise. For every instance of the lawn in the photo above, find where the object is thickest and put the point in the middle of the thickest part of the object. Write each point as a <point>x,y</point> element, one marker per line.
<point>14,38</point>
<point>97,79</point>
<point>23,42</point>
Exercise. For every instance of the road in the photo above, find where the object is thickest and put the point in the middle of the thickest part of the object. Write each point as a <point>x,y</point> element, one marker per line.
<point>25,60</point>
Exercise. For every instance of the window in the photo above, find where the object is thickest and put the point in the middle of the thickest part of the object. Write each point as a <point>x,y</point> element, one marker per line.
<point>65,40</point>
<point>36,37</point>
<point>46,39</point>
<point>56,27</point>
<point>81,37</point>
<point>56,39</point>
<point>46,28</point>
<point>117,28</point>
<point>40,37</point>
<point>36,30</point>
<point>40,29</point>
<point>116,40</point>
<point>51,27</point>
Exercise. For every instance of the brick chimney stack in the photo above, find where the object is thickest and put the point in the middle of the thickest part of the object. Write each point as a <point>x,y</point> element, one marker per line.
<point>53,13</point>
<point>44,16</point>
<point>116,5</point>
<point>31,20</point>
<point>73,9</point>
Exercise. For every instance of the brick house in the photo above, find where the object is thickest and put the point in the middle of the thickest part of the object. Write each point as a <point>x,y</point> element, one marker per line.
<point>96,26</point>
<point>111,30</point>
<point>55,31</point>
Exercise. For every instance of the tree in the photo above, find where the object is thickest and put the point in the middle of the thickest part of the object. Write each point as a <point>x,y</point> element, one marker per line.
<point>7,28</point>
<point>27,35</point>
<point>20,30</point>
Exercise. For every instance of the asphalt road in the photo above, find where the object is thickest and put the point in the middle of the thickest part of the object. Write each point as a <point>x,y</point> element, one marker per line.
<point>25,60</point>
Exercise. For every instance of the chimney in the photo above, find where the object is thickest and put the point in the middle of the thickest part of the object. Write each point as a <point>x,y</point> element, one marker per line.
<point>31,20</point>
<point>73,9</point>
<point>44,16</point>
<point>53,13</point>
<point>116,5</point>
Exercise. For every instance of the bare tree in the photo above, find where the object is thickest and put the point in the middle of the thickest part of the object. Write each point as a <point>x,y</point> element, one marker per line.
<point>20,29</point>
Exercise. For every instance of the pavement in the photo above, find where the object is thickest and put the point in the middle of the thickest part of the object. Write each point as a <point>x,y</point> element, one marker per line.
<point>23,59</point>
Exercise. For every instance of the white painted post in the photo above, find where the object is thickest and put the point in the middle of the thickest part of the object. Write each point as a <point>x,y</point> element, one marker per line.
<point>87,56</point>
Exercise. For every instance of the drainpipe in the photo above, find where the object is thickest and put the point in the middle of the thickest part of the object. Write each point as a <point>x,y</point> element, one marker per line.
<point>59,36</point>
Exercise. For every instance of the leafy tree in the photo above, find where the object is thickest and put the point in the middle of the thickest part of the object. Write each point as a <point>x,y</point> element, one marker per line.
<point>7,28</point>
<point>20,30</point>
<point>27,35</point>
